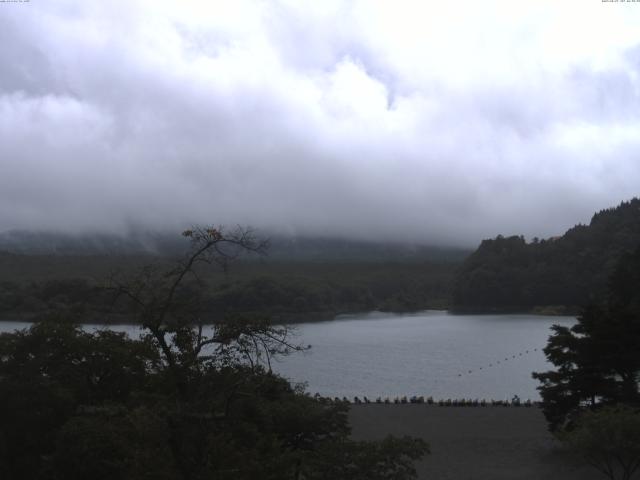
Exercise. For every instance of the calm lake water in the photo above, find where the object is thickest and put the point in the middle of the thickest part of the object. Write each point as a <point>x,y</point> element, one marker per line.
<point>428,353</point>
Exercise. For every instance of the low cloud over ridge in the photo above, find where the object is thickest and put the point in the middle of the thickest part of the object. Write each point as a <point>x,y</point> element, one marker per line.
<point>420,122</point>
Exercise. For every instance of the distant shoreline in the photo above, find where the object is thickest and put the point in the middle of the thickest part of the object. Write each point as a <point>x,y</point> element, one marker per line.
<point>544,310</point>
<point>98,318</point>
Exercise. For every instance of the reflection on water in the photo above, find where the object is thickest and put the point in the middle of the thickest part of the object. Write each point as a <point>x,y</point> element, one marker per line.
<point>427,353</point>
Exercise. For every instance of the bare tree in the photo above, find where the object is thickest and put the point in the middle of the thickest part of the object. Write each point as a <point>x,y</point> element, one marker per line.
<point>167,304</point>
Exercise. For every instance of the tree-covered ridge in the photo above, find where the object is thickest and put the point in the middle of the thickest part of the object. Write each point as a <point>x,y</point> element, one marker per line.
<point>569,271</point>
<point>285,290</point>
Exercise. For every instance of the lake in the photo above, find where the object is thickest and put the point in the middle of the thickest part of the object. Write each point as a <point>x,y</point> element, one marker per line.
<point>432,353</point>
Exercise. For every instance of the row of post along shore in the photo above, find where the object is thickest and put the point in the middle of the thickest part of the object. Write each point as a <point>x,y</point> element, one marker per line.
<point>456,402</point>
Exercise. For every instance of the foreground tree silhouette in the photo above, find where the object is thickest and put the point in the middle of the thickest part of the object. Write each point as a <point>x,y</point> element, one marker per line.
<point>597,359</point>
<point>609,440</point>
<point>183,402</point>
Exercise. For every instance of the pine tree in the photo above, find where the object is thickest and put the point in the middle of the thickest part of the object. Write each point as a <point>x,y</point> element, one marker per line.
<point>598,359</point>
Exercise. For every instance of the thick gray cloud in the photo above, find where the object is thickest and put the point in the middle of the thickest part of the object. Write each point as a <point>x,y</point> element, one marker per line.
<point>386,120</point>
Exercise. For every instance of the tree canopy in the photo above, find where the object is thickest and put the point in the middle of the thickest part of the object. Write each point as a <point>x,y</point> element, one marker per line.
<point>609,440</point>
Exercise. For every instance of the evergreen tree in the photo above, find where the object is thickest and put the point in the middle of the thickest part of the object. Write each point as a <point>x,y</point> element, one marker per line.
<point>598,359</point>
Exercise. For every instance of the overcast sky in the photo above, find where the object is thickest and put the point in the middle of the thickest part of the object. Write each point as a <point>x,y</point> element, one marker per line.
<point>438,122</point>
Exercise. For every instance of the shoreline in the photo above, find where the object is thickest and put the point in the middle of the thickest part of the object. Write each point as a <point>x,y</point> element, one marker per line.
<point>542,310</point>
<point>98,318</point>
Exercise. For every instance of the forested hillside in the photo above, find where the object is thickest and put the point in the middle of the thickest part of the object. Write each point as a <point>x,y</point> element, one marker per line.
<point>566,271</point>
<point>31,285</point>
<point>299,278</point>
